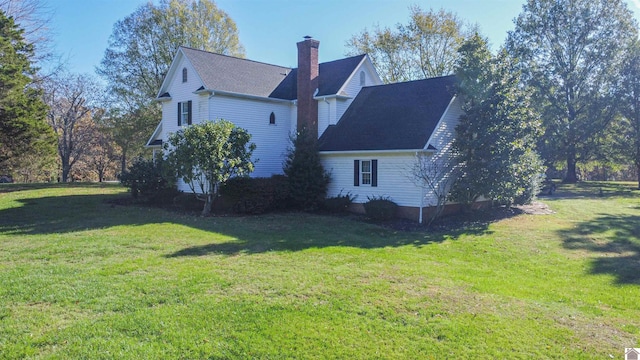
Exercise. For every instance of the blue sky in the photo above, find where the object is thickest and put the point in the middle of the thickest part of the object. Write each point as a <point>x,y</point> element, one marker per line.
<point>269,29</point>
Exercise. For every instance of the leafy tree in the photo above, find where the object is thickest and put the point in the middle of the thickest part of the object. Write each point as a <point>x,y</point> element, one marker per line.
<point>495,139</point>
<point>23,131</point>
<point>143,44</point>
<point>102,154</point>
<point>627,128</point>
<point>140,52</point>
<point>129,130</point>
<point>423,48</point>
<point>72,100</point>
<point>571,51</point>
<point>206,155</point>
<point>308,181</point>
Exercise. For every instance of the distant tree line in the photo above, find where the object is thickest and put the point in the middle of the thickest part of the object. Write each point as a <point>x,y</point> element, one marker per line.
<point>563,89</point>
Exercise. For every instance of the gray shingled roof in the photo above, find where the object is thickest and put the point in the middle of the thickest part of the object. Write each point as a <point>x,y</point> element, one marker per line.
<point>398,116</point>
<point>333,75</point>
<point>227,73</point>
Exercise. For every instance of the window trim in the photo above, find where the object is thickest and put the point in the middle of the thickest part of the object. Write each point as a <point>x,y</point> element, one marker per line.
<point>184,75</point>
<point>363,79</point>
<point>182,112</point>
<point>272,118</point>
<point>358,178</point>
<point>365,176</point>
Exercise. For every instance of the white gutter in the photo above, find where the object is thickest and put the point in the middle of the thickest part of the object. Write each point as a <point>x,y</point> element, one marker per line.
<point>212,93</point>
<point>395,151</point>
<point>336,96</point>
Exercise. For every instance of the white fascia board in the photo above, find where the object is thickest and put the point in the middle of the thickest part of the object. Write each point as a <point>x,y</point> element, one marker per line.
<point>163,99</point>
<point>213,92</point>
<point>375,71</point>
<point>353,73</point>
<point>366,61</point>
<point>171,71</point>
<point>336,96</point>
<point>154,135</point>
<point>395,151</point>
<point>440,121</point>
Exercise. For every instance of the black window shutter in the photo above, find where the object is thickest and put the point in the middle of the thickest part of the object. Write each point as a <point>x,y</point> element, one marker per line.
<point>356,172</point>
<point>189,110</point>
<point>374,172</point>
<point>179,114</point>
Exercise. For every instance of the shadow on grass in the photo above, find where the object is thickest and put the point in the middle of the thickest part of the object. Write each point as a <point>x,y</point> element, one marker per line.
<point>617,245</point>
<point>62,214</point>
<point>249,235</point>
<point>355,235</point>
<point>594,190</point>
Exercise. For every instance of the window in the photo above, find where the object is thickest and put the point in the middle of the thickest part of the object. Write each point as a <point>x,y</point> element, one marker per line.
<point>365,172</point>
<point>363,80</point>
<point>184,75</point>
<point>184,113</point>
<point>272,118</point>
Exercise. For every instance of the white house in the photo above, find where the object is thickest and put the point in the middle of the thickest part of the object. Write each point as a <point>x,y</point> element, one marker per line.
<point>369,133</point>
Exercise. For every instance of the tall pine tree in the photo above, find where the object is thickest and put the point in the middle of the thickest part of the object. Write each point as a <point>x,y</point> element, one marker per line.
<point>23,130</point>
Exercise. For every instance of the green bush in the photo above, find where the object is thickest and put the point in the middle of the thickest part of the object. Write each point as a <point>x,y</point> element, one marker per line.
<point>187,202</point>
<point>339,203</point>
<point>380,208</point>
<point>256,195</point>
<point>150,180</point>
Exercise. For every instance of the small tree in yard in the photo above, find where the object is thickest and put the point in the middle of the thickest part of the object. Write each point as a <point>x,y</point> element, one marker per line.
<point>495,139</point>
<point>308,181</point>
<point>208,154</point>
<point>436,174</point>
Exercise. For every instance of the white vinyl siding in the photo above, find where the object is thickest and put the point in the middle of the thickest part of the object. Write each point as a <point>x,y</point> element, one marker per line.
<point>392,177</point>
<point>180,92</point>
<point>272,140</point>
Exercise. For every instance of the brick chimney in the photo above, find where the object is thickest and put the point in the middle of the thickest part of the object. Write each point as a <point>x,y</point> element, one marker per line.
<point>308,72</point>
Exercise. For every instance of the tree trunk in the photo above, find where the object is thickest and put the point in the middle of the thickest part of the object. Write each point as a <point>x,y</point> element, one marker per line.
<point>123,162</point>
<point>65,170</point>
<point>571,176</point>
<point>638,172</point>
<point>207,205</point>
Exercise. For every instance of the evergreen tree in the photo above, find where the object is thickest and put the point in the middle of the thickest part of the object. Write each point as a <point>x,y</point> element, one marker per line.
<point>495,140</point>
<point>23,130</point>
<point>308,181</point>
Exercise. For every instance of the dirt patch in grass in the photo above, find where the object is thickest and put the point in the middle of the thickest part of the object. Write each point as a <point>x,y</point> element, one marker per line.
<point>535,208</point>
<point>476,219</point>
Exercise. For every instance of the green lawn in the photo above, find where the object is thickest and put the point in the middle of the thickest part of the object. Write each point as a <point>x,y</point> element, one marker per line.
<point>83,279</point>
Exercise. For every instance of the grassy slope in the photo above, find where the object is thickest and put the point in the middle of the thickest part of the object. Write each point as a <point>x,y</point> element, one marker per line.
<point>80,278</point>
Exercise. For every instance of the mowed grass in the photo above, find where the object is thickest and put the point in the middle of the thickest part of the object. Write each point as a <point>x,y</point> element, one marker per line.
<point>83,279</point>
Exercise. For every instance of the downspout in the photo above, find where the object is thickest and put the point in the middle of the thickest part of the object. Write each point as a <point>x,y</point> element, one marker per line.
<point>421,196</point>
<point>421,203</point>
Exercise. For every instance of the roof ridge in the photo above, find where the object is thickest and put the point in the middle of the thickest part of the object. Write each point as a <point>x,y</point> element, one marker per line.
<point>409,81</point>
<point>235,57</point>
